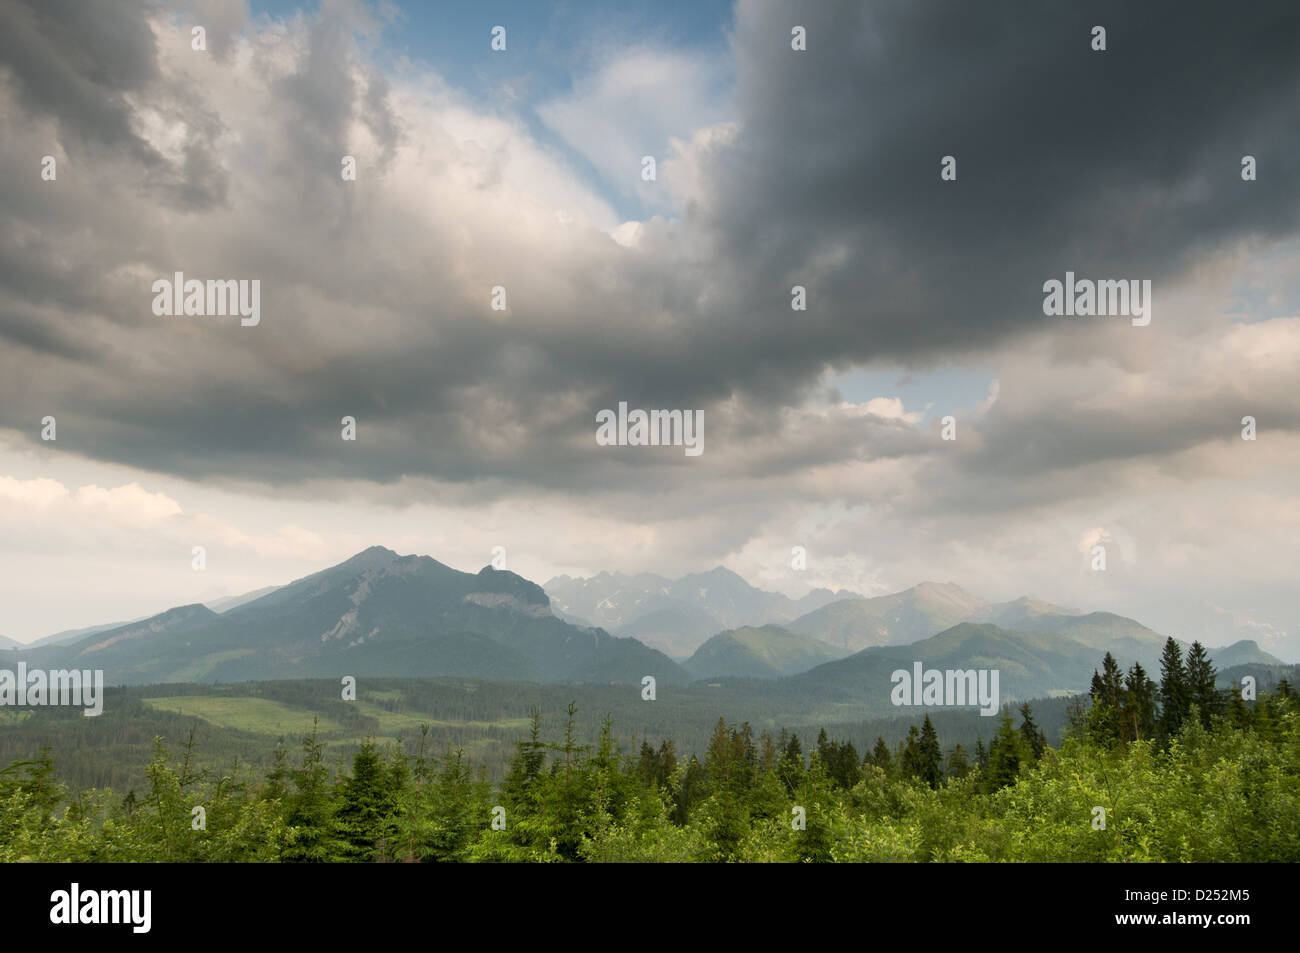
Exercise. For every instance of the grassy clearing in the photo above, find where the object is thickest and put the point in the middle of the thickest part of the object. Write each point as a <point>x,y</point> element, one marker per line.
<point>257,715</point>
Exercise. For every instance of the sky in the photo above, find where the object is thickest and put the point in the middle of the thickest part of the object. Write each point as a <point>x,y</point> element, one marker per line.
<point>522,169</point>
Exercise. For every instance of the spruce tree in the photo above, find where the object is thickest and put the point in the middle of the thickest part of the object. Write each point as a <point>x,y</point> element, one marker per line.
<point>368,806</point>
<point>1238,712</point>
<point>1033,736</point>
<point>311,808</point>
<point>1174,697</point>
<point>1200,684</point>
<point>958,763</point>
<point>1138,716</point>
<point>880,755</point>
<point>1007,753</point>
<point>909,758</point>
<point>791,770</point>
<point>930,755</point>
<point>667,759</point>
<point>1102,720</point>
<point>647,768</point>
<point>691,792</point>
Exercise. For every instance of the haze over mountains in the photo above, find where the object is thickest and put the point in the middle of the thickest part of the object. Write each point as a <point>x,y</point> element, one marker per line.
<point>677,615</point>
<point>894,619</point>
<point>381,614</point>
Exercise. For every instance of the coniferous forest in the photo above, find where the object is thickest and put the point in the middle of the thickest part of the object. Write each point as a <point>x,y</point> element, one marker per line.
<point>1172,769</point>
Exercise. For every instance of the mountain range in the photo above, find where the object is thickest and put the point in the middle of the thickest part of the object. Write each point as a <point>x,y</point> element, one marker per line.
<point>677,615</point>
<point>381,614</point>
<point>376,613</point>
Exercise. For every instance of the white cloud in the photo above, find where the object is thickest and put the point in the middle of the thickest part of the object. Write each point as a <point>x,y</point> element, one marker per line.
<point>640,102</point>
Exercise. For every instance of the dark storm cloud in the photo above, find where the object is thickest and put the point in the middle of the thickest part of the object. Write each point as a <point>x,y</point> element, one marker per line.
<point>74,62</point>
<point>1116,164</point>
<point>1122,163</point>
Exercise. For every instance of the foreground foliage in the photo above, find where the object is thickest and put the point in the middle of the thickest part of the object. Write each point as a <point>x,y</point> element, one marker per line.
<point>1175,772</point>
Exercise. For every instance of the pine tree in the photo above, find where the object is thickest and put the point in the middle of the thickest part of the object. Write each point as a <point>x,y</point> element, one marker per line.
<point>457,809</point>
<point>311,808</point>
<point>369,804</point>
<point>1032,735</point>
<point>846,771</point>
<point>1105,714</point>
<point>277,786</point>
<point>690,792</point>
<point>1174,696</point>
<point>930,754</point>
<point>1239,713</point>
<point>958,763</point>
<point>667,759</point>
<point>720,762</point>
<point>792,769</point>
<point>647,768</point>
<point>909,755</point>
<point>768,755</point>
<point>1138,716</point>
<point>880,755</point>
<point>1007,753</point>
<point>823,746</point>
<point>1200,684</point>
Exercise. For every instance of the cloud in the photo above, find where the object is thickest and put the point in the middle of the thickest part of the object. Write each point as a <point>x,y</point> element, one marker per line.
<point>128,504</point>
<point>778,168</point>
<point>637,102</point>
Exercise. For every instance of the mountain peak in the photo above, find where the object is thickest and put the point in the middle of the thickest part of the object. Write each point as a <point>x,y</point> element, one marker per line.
<point>375,552</point>
<point>718,572</point>
<point>930,585</point>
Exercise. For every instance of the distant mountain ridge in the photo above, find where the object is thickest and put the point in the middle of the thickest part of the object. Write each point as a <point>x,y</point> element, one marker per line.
<point>1030,664</point>
<point>678,615</point>
<point>759,652</point>
<point>381,614</point>
<point>895,619</point>
<point>233,602</point>
<point>375,613</point>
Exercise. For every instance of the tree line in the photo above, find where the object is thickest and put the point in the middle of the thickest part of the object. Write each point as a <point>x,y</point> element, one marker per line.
<point>1175,771</point>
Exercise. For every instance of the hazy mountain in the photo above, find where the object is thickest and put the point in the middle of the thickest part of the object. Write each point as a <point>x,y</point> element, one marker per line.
<point>675,631</point>
<point>895,619</point>
<point>1020,613</point>
<point>1212,624</point>
<point>377,613</point>
<point>1030,664</point>
<point>678,615</point>
<point>1057,661</point>
<point>1103,631</point>
<point>72,635</point>
<point>234,602</point>
<point>1245,652</point>
<point>1122,636</point>
<point>8,643</point>
<point>759,652</point>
